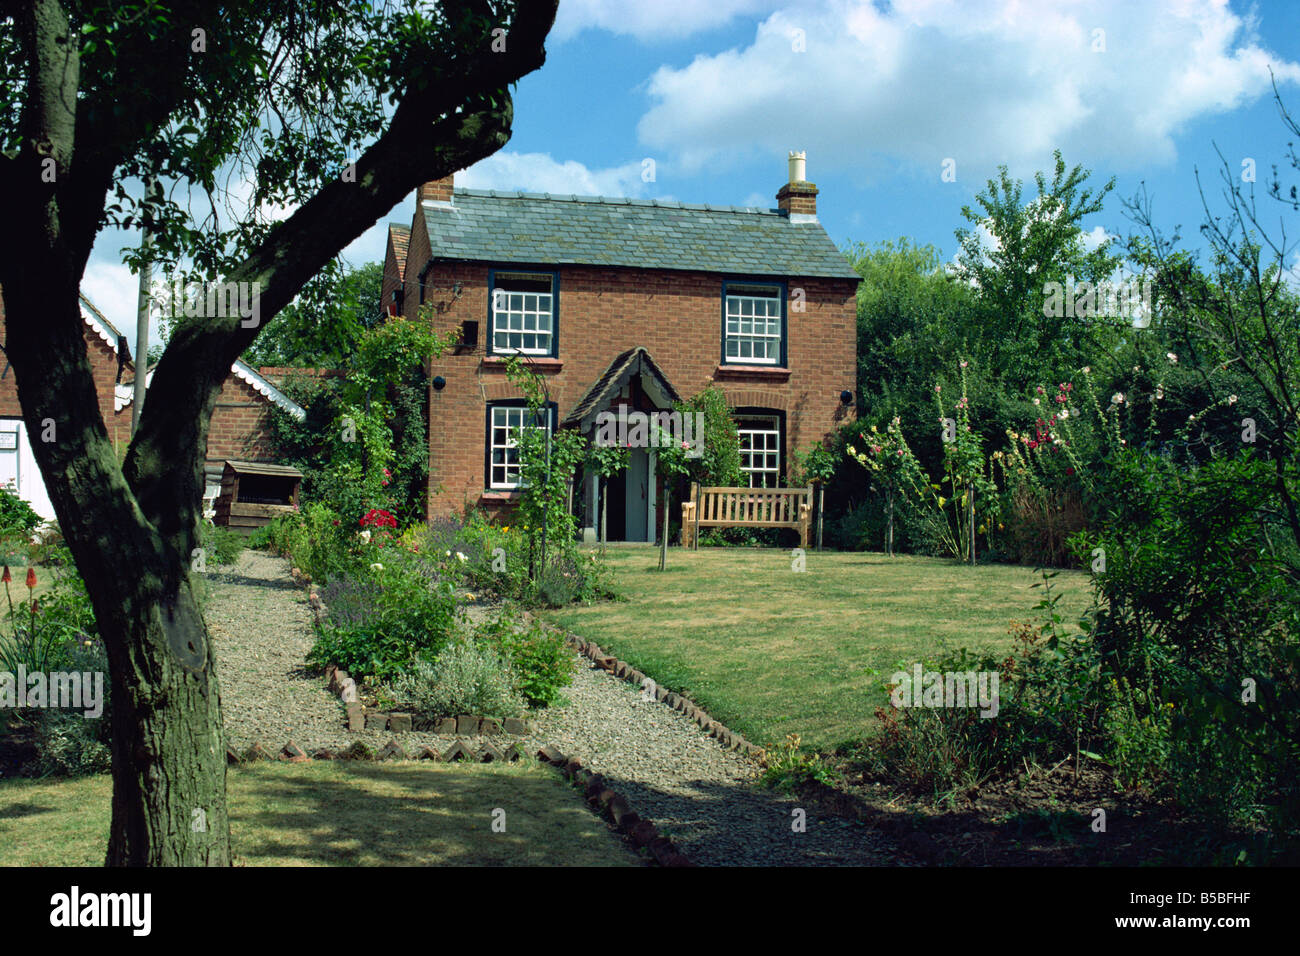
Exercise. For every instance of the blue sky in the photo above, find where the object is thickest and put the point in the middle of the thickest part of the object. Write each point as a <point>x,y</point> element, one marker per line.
<point>880,96</point>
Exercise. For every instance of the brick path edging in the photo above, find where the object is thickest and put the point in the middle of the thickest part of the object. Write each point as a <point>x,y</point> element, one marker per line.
<point>642,833</point>
<point>678,702</point>
<point>481,752</point>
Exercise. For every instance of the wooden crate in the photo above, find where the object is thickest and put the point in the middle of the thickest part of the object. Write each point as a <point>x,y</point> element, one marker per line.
<point>252,493</point>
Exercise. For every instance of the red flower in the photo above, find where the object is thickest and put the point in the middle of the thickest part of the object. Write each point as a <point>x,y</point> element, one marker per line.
<point>7,576</point>
<point>1033,444</point>
<point>1069,471</point>
<point>31,578</point>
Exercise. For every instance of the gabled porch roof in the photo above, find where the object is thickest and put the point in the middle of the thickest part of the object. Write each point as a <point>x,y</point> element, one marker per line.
<point>633,362</point>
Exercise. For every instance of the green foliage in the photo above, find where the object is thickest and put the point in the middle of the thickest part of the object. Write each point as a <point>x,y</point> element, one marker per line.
<point>16,515</point>
<point>221,546</point>
<point>540,661</point>
<point>364,442</point>
<point>57,632</point>
<point>788,767</point>
<point>1034,242</point>
<point>1198,599</point>
<point>40,633</point>
<point>468,677</point>
<point>324,325</point>
<point>317,541</point>
<point>719,462</point>
<point>385,616</point>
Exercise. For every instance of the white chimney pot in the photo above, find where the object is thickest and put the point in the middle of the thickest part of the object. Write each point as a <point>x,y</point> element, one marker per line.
<point>798,167</point>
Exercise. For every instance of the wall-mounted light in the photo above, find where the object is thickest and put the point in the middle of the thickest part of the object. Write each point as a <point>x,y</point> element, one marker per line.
<point>439,383</point>
<point>846,397</point>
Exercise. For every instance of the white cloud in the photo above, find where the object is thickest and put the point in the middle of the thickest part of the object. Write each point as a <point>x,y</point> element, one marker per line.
<point>540,173</point>
<point>985,82</point>
<point>657,20</point>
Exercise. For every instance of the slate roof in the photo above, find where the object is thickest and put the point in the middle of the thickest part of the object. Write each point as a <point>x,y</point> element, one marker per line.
<point>493,226</point>
<point>632,362</point>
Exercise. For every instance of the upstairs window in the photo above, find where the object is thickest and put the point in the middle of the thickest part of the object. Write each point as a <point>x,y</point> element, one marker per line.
<point>753,324</point>
<point>760,450</point>
<point>504,425</point>
<point>523,313</point>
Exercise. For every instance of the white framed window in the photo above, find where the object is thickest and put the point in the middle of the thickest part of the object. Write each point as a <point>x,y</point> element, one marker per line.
<point>752,329</point>
<point>504,424</point>
<point>760,450</point>
<point>523,313</point>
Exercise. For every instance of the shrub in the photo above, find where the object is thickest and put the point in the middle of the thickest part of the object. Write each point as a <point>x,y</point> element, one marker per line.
<point>496,561</point>
<point>67,742</point>
<point>1051,703</point>
<point>221,546</point>
<point>16,515</point>
<point>539,659</point>
<point>70,745</point>
<point>318,541</point>
<point>469,677</point>
<point>788,767</point>
<point>384,617</point>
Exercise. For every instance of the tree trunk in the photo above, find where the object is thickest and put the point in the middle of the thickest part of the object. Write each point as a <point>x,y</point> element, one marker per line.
<point>821,505</point>
<point>971,495</point>
<point>169,761</point>
<point>132,541</point>
<point>663,543</point>
<point>889,530</point>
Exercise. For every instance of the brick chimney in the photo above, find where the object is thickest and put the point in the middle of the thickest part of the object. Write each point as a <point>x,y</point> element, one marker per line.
<point>798,196</point>
<point>439,190</point>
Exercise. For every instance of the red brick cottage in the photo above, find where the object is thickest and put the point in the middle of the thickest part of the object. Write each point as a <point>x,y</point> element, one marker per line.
<point>239,429</point>
<point>622,303</point>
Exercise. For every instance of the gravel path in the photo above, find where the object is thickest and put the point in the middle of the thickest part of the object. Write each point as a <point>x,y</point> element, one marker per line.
<point>701,795</point>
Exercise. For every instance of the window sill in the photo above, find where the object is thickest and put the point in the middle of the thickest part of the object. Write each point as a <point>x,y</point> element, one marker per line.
<point>500,496</point>
<point>540,362</point>
<point>775,373</point>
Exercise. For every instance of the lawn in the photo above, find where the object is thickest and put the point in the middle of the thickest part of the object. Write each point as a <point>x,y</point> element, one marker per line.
<point>344,813</point>
<point>771,652</point>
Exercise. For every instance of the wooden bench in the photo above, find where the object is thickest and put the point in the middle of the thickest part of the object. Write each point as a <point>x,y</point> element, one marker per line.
<point>746,508</point>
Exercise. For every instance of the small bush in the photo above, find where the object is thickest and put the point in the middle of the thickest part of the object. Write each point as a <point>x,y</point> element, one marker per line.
<point>469,677</point>
<point>16,515</point>
<point>383,617</point>
<point>221,546</point>
<point>67,742</point>
<point>539,659</point>
<point>787,767</point>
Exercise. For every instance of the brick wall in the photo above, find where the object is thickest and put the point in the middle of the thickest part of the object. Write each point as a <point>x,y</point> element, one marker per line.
<point>240,426</point>
<point>676,316</point>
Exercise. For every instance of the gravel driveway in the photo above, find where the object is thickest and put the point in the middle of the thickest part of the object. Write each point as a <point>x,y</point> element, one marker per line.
<point>701,795</point>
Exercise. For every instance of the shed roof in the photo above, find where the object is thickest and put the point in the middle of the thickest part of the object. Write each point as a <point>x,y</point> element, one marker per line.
<point>259,468</point>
